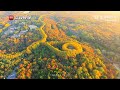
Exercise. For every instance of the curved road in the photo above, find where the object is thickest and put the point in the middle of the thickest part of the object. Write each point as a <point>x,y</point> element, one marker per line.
<point>28,50</point>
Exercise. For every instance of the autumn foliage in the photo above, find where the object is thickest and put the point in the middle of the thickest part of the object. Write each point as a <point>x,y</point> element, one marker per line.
<point>55,50</point>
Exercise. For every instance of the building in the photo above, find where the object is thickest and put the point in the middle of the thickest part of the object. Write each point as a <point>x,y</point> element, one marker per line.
<point>32,27</point>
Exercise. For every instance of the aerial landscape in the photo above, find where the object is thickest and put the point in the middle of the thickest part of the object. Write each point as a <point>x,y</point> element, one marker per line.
<point>59,45</point>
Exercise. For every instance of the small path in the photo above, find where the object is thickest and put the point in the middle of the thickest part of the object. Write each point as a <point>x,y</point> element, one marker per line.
<point>60,53</point>
<point>13,75</point>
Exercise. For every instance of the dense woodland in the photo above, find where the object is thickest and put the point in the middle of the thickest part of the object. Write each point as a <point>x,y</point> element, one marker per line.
<point>59,46</point>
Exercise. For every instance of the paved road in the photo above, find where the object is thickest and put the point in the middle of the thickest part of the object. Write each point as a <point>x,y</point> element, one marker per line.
<point>13,75</point>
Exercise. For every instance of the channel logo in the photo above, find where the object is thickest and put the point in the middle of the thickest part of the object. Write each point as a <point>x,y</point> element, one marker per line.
<point>11,17</point>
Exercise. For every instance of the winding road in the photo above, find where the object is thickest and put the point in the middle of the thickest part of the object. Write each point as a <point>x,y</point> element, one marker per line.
<point>34,45</point>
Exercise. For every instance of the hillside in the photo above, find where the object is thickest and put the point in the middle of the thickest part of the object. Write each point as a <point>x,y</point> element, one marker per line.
<point>55,47</point>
